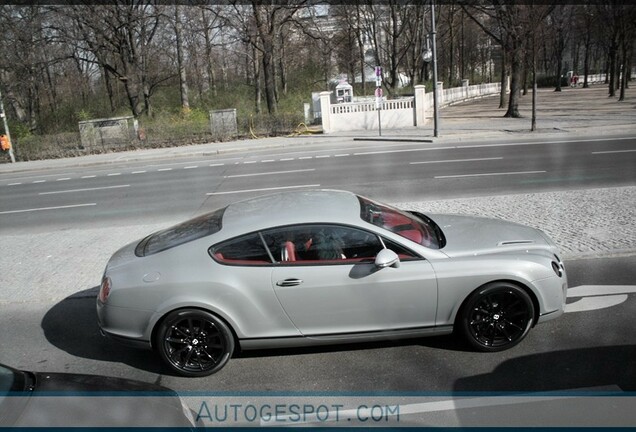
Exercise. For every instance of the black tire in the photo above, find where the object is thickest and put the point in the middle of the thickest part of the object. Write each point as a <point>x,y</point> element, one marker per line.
<point>496,317</point>
<point>194,343</point>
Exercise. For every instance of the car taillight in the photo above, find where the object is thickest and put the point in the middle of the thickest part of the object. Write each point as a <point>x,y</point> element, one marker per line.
<point>104,290</point>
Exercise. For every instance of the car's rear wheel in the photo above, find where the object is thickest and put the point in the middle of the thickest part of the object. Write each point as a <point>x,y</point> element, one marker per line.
<point>194,343</point>
<point>497,317</point>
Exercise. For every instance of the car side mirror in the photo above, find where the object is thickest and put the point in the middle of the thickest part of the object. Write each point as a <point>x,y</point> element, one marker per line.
<point>387,258</point>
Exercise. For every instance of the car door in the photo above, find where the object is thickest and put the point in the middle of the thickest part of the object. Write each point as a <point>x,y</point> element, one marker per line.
<point>333,286</point>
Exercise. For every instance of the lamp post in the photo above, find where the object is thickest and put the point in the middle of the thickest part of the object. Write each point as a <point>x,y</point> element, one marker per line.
<point>431,56</point>
<point>6,128</point>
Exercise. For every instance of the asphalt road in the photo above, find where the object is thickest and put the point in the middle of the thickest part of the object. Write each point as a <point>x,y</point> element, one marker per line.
<point>180,188</point>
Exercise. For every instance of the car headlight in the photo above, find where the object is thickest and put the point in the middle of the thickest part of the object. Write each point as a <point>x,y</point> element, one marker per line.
<point>557,266</point>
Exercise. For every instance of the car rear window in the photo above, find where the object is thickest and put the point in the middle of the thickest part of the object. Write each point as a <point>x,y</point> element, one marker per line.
<point>184,232</point>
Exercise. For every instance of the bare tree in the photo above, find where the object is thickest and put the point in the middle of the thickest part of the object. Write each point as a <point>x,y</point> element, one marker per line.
<point>505,25</point>
<point>120,37</point>
<point>561,20</point>
<point>260,24</point>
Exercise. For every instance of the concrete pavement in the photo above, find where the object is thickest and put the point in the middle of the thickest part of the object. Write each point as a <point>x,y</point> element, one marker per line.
<point>50,266</point>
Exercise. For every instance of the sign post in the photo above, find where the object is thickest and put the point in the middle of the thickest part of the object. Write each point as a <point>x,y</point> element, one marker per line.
<point>378,96</point>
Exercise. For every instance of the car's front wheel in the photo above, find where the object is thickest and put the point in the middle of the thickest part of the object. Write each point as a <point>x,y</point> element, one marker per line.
<point>194,343</point>
<point>497,317</point>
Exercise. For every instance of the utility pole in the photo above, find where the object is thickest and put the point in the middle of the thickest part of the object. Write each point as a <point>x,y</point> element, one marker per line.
<point>6,128</point>
<point>435,101</point>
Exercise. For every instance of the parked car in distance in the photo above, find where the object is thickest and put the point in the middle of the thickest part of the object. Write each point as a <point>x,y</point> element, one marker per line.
<point>65,400</point>
<point>324,267</point>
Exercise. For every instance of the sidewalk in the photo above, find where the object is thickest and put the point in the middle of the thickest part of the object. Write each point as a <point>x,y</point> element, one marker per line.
<point>571,113</point>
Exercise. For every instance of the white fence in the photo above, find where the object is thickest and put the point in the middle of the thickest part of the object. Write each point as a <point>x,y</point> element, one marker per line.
<point>396,113</point>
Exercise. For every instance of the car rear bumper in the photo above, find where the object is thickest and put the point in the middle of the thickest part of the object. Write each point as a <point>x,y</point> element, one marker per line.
<point>134,343</point>
<point>116,323</point>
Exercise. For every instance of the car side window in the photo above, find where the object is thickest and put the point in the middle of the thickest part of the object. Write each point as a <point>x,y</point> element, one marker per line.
<point>402,252</point>
<point>244,250</point>
<point>326,244</point>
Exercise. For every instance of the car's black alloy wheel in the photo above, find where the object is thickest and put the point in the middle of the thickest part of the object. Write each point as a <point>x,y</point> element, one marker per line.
<point>497,317</point>
<point>194,342</point>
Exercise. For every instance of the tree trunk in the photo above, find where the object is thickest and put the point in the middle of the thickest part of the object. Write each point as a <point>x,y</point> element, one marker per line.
<point>625,71</point>
<point>502,94</point>
<point>515,83</point>
<point>208,56</point>
<point>611,70</point>
<point>268,75</point>
<point>586,61</point>
<point>183,82</point>
<point>256,64</point>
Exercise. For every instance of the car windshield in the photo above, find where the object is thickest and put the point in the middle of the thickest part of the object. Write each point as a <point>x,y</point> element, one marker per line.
<point>187,231</point>
<point>412,226</point>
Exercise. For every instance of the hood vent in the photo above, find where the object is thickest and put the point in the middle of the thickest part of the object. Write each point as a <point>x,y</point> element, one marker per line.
<point>515,242</point>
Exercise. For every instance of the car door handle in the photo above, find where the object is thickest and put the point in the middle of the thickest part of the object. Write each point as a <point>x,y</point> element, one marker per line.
<point>289,282</point>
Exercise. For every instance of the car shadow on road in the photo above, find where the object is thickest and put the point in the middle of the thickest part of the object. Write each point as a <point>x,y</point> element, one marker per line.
<point>448,343</point>
<point>71,325</point>
<point>583,369</point>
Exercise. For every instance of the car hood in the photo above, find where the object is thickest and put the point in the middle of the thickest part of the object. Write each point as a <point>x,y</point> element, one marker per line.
<point>470,235</point>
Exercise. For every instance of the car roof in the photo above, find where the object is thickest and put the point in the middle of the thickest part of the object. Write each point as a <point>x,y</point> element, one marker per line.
<point>291,207</point>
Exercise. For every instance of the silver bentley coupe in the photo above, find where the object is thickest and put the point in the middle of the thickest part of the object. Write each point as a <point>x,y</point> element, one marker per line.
<point>326,267</point>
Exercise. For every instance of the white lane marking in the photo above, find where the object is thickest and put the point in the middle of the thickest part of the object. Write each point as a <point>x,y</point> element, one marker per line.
<point>490,174</point>
<point>191,167</point>
<point>88,176</point>
<point>113,174</point>
<point>595,303</point>
<point>48,208</point>
<point>164,169</point>
<point>594,297</point>
<point>305,157</point>
<point>139,172</point>
<point>287,159</point>
<point>270,173</point>
<point>14,184</point>
<point>216,164</point>
<point>39,181</point>
<point>456,160</point>
<point>342,155</point>
<point>265,189</point>
<point>613,151</point>
<point>84,190</point>
<point>420,408</point>
<point>63,179</point>
<point>322,156</point>
<point>402,150</point>
<point>545,142</point>
<point>268,160</point>
<point>249,162</point>
<point>595,290</point>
